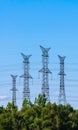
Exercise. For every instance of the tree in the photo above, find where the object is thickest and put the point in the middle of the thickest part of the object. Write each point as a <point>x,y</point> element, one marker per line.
<point>41,100</point>
<point>38,116</point>
<point>26,104</point>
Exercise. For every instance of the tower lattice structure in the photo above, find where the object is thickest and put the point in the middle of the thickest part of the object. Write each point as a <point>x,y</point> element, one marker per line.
<point>26,76</point>
<point>45,72</point>
<point>14,88</point>
<point>62,95</point>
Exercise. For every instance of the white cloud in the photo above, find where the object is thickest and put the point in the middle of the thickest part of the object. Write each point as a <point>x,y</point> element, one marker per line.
<point>3,97</point>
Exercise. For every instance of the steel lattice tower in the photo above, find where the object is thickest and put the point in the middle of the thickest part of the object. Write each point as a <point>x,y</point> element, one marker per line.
<point>45,72</point>
<point>14,88</point>
<point>26,76</point>
<point>62,96</point>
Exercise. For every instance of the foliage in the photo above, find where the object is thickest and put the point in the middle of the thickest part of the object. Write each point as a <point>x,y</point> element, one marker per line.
<point>41,115</point>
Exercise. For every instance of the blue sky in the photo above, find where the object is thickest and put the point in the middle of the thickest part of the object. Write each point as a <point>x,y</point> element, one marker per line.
<point>26,24</point>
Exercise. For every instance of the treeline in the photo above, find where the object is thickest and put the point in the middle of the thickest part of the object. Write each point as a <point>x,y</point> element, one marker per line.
<point>41,115</point>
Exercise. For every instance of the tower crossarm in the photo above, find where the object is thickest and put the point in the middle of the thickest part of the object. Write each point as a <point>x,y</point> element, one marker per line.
<point>45,51</point>
<point>26,58</point>
<point>43,70</point>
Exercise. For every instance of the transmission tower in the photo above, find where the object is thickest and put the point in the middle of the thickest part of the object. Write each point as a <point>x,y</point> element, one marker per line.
<point>45,72</point>
<point>14,88</point>
<point>26,76</point>
<point>62,96</point>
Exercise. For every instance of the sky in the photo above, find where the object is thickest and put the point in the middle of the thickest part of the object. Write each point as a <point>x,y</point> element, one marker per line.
<point>24,26</point>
